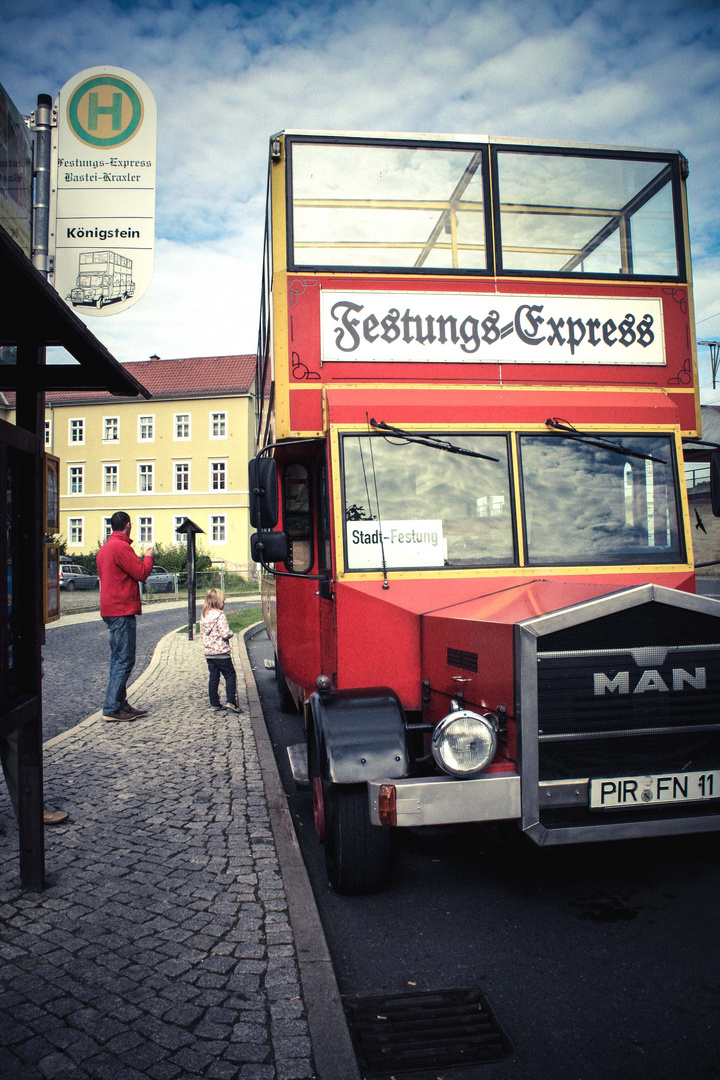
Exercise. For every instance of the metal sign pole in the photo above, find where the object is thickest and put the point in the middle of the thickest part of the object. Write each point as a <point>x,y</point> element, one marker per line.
<point>189,529</point>
<point>191,584</point>
<point>41,206</point>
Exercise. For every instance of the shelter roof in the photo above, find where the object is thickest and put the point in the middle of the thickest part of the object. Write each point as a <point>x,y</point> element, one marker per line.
<point>34,315</point>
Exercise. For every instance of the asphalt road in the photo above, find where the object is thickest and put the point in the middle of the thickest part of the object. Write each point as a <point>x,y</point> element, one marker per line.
<point>76,661</point>
<point>600,961</point>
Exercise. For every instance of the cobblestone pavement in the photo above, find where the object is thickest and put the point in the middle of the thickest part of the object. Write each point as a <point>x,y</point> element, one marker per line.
<point>162,946</point>
<point>76,658</point>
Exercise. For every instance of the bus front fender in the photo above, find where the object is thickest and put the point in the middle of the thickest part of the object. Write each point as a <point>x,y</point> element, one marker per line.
<point>355,736</point>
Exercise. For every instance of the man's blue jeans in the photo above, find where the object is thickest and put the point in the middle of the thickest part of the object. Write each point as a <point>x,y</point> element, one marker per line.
<point>122,659</point>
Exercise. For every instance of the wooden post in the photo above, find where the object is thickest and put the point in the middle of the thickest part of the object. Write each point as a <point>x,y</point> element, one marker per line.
<point>30,416</point>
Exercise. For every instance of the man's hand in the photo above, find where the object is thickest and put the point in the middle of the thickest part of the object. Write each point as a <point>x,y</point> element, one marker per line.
<point>150,553</point>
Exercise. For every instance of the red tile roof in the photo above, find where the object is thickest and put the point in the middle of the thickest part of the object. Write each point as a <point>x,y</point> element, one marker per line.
<point>193,376</point>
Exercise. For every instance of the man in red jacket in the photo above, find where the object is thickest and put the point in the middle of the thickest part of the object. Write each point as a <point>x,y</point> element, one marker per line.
<point>120,570</point>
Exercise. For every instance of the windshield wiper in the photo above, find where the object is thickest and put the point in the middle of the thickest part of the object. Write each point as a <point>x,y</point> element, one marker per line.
<point>428,440</point>
<point>563,427</point>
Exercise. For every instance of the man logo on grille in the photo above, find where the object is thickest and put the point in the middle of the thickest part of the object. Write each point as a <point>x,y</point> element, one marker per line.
<point>649,680</point>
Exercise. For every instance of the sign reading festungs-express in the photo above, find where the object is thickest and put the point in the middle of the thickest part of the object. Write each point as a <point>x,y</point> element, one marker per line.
<point>368,326</point>
<point>104,178</point>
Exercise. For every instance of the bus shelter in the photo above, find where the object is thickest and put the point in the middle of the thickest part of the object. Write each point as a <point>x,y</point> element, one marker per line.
<point>32,317</point>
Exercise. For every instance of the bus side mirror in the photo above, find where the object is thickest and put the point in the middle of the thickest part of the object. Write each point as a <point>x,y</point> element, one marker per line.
<point>715,483</point>
<point>263,491</point>
<point>268,547</point>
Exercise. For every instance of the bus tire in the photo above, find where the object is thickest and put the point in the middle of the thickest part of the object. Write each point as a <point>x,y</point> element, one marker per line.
<point>287,701</point>
<point>99,302</point>
<point>358,854</point>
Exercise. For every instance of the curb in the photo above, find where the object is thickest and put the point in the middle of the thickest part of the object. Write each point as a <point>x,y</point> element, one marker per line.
<point>137,685</point>
<point>329,1035</point>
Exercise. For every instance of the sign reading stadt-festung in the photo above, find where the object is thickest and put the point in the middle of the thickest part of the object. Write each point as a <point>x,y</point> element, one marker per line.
<point>103,225</point>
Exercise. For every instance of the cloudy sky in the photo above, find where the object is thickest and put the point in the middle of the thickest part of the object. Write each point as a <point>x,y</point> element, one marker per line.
<point>226,75</point>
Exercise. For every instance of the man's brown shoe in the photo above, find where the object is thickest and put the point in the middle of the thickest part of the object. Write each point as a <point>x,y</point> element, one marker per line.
<point>135,712</point>
<point>54,817</point>
<point>121,715</point>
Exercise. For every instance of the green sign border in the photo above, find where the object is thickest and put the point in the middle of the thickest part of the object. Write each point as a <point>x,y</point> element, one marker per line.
<point>115,140</point>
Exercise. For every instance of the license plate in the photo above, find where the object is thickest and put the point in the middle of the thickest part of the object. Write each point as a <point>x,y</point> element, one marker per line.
<point>626,792</point>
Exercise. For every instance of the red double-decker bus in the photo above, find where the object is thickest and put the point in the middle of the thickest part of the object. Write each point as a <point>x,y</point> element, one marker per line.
<point>476,368</point>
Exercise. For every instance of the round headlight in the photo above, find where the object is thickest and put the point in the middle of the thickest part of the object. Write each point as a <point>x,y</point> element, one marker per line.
<point>464,743</point>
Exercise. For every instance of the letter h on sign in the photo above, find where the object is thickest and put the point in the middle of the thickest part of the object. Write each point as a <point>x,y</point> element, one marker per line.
<point>95,110</point>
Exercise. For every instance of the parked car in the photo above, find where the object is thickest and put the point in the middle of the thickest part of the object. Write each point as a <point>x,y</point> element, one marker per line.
<point>160,580</point>
<point>77,577</point>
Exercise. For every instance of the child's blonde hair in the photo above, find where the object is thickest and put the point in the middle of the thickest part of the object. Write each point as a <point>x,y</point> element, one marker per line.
<point>214,598</point>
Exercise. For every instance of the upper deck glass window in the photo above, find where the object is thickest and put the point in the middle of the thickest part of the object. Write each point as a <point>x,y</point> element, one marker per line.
<point>569,213</point>
<point>387,206</point>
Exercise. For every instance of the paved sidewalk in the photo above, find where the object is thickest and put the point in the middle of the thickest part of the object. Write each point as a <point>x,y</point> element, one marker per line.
<point>177,936</point>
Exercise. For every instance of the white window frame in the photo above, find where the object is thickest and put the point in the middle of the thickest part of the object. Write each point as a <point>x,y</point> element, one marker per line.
<point>176,422</point>
<point>221,466</point>
<point>107,422</point>
<point>109,489</point>
<point>146,438</point>
<point>48,432</point>
<point>219,522</point>
<point>180,465</point>
<point>147,522</point>
<point>179,538</point>
<point>76,424</point>
<point>106,528</point>
<point>76,524</point>
<point>146,469</point>
<point>80,470</point>
<point>219,418</point>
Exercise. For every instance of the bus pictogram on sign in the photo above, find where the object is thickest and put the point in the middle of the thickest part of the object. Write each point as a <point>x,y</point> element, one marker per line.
<point>105,111</point>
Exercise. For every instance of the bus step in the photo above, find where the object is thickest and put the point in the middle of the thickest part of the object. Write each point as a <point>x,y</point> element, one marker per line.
<point>297,755</point>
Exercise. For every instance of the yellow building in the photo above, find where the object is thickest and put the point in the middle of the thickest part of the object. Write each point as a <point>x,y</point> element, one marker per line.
<point>183,453</point>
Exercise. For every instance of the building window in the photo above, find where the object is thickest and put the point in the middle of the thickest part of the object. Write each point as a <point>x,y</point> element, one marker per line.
<point>145,478</point>
<point>146,428</point>
<point>217,529</point>
<point>218,425</point>
<point>145,530</point>
<point>182,475</point>
<point>48,433</point>
<point>182,427</point>
<point>75,486</point>
<point>217,476</point>
<point>106,528</point>
<point>77,431</point>
<point>110,479</point>
<point>75,530</point>
<point>179,538</point>
<point>111,428</point>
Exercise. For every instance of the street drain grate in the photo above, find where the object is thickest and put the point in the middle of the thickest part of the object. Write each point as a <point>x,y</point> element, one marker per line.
<point>428,1029</point>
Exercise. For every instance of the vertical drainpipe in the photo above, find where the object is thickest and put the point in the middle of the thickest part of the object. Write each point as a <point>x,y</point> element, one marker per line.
<point>41,205</point>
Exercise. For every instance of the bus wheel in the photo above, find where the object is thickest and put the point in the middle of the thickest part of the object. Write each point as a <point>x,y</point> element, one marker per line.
<point>358,854</point>
<point>99,302</point>
<point>287,701</point>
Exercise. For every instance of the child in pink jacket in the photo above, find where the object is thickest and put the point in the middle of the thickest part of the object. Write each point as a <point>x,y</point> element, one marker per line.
<point>216,633</point>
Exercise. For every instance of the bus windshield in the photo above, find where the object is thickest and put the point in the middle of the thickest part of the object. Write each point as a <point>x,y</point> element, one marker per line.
<point>586,505</point>
<point>417,506</point>
<point>407,505</point>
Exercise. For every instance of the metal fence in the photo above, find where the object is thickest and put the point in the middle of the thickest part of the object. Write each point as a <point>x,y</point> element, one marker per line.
<point>231,583</point>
